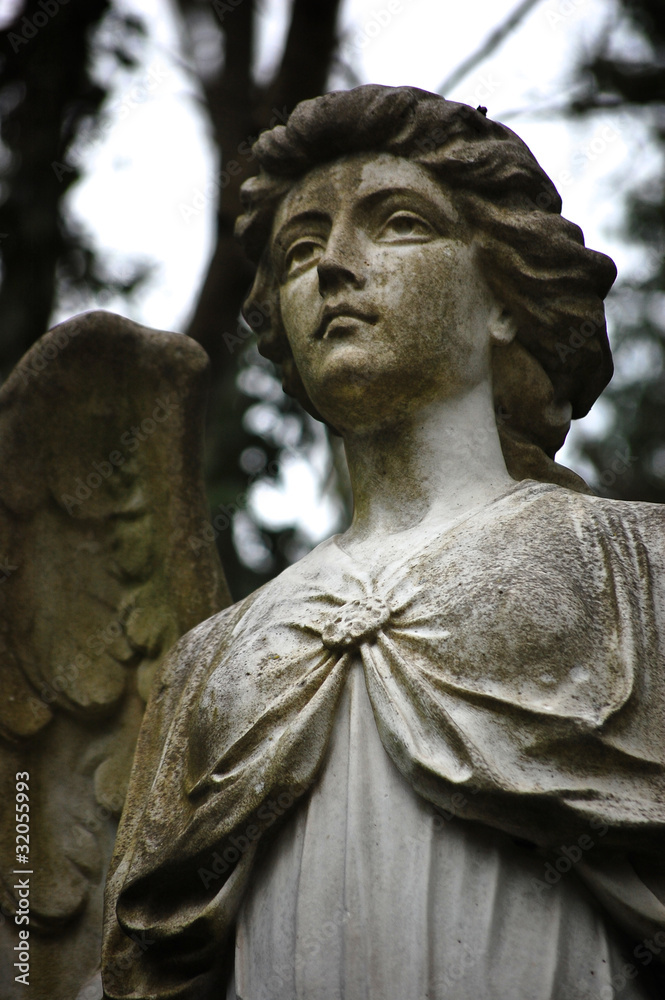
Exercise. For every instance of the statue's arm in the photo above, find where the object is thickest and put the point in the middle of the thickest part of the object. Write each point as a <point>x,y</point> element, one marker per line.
<point>153,945</point>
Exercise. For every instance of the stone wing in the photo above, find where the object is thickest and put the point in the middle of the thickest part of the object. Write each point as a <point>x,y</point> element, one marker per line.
<point>102,568</point>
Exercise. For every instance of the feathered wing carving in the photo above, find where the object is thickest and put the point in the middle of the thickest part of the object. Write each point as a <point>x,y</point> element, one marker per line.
<point>102,568</point>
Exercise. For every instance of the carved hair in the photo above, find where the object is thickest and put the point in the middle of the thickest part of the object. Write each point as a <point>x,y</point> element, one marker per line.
<point>534,261</point>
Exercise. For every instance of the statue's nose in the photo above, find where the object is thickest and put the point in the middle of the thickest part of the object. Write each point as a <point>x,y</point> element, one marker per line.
<point>335,274</point>
<point>341,264</point>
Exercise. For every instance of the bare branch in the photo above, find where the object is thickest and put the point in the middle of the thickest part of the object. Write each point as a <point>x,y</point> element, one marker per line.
<point>491,43</point>
<point>571,108</point>
<point>637,82</point>
<point>309,48</point>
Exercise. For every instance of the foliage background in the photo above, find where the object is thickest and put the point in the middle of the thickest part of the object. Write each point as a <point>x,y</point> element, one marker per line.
<point>71,73</point>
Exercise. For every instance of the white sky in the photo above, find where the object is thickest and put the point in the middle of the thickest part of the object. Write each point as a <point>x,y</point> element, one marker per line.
<point>148,175</point>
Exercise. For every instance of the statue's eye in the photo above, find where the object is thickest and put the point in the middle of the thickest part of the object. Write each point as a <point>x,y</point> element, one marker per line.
<point>404,226</point>
<point>303,253</point>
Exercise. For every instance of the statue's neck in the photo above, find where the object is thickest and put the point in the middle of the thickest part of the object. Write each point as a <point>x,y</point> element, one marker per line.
<point>435,464</point>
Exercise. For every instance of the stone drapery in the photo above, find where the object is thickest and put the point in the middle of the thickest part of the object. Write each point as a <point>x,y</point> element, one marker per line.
<point>516,658</point>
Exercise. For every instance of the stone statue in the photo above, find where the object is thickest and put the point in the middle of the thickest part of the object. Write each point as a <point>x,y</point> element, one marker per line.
<point>100,489</point>
<point>427,760</point>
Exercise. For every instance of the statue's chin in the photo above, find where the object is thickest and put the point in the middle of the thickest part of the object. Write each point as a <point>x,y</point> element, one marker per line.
<point>365,407</point>
<point>360,391</point>
<point>353,394</point>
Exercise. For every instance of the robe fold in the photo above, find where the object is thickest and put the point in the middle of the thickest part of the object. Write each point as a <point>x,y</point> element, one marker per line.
<point>513,669</point>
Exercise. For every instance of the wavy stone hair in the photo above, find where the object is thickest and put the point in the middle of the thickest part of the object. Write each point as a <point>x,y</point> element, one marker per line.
<point>534,261</point>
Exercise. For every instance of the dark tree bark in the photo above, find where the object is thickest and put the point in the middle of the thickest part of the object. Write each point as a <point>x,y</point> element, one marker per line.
<point>45,94</point>
<point>239,109</point>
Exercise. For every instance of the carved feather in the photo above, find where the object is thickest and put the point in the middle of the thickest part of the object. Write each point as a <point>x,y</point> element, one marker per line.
<point>100,491</point>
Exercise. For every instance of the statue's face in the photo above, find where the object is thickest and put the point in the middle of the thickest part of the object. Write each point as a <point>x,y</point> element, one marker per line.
<point>381,296</point>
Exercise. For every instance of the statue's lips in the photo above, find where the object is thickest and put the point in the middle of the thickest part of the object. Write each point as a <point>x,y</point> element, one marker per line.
<point>342,312</point>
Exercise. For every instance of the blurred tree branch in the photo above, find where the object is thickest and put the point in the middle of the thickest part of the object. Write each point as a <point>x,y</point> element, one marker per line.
<point>46,93</point>
<point>635,442</point>
<point>489,46</point>
<point>239,108</point>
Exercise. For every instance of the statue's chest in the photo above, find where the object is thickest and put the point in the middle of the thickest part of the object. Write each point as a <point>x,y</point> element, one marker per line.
<point>498,623</point>
<point>540,613</point>
<point>493,613</point>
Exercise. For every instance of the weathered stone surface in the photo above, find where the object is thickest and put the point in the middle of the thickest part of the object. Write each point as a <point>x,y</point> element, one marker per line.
<point>428,759</point>
<point>100,491</point>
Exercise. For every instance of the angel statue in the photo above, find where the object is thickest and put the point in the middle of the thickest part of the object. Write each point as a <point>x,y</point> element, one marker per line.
<point>426,761</point>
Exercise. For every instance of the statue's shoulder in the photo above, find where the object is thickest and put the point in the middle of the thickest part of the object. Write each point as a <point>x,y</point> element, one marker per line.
<point>549,500</point>
<point>275,600</point>
<point>581,527</point>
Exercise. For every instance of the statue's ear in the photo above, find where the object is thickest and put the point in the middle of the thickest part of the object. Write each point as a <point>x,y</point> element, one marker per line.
<point>502,326</point>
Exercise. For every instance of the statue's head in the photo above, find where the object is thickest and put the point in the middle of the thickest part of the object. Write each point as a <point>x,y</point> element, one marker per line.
<point>502,206</point>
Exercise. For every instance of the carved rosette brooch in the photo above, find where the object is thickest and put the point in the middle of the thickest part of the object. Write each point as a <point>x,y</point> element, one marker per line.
<point>355,623</point>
